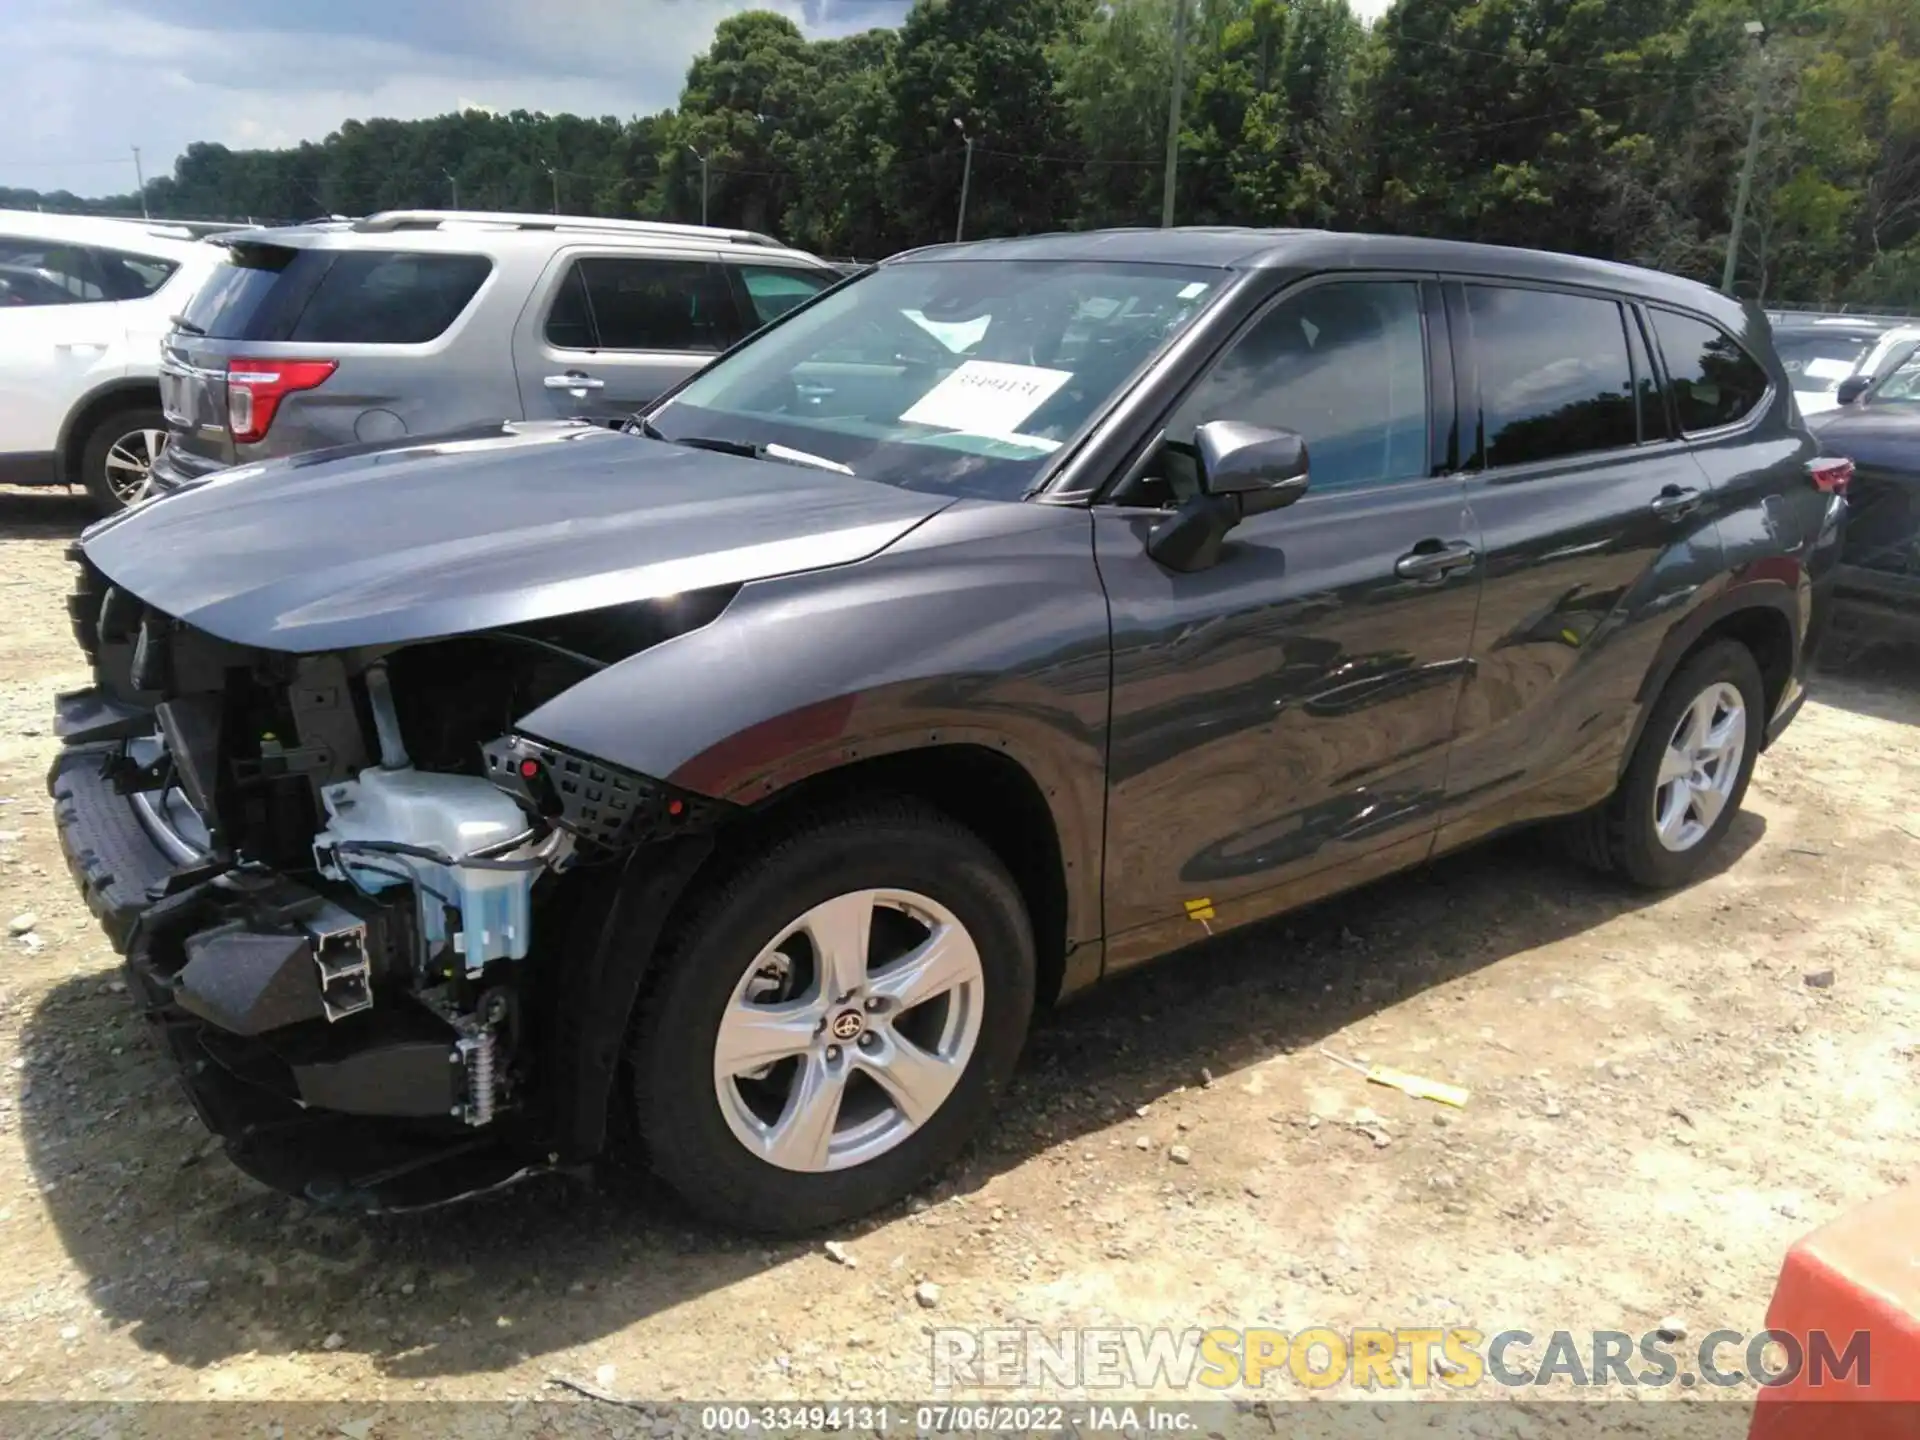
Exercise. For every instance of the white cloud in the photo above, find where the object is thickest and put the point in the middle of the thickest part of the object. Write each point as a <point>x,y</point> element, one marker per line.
<point>86,80</point>
<point>89,79</point>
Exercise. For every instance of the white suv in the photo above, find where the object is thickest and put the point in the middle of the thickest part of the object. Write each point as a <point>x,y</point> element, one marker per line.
<point>83,305</point>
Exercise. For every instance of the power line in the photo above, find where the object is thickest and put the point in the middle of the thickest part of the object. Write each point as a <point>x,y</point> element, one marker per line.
<point>1527,57</point>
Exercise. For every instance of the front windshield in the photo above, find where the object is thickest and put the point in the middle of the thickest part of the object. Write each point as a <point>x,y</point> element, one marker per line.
<point>1902,385</point>
<point>958,376</point>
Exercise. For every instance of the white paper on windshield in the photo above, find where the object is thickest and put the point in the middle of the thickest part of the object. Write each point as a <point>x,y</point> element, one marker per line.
<point>987,397</point>
<point>1828,369</point>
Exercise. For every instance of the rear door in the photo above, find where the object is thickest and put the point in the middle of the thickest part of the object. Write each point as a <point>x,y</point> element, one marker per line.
<point>1595,518</point>
<point>607,331</point>
<point>61,334</point>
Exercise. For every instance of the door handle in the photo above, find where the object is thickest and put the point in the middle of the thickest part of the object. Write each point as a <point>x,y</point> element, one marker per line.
<point>1675,501</point>
<point>1431,560</point>
<point>575,382</point>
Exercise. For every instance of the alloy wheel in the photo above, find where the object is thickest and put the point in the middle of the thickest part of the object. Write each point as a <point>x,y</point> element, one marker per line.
<point>849,1031</point>
<point>130,462</point>
<point>1700,767</point>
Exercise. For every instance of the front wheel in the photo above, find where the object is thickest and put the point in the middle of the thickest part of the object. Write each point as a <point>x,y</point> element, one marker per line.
<point>833,1020</point>
<point>1688,773</point>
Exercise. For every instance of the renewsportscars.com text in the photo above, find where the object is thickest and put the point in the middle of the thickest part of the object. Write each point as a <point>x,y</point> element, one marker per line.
<point>1418,1357</point>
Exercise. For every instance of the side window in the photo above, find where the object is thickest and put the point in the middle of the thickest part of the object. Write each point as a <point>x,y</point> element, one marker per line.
<point>132,277</point>
<point>389,297</point>
<point>570,321</point>
<point>773,291</point>
<point>1554,375</point>
<point>645,304</point>
<point>46,272</point>
<point>1343,364</point>
<point>1710,379</point>
<point>1654,424</point>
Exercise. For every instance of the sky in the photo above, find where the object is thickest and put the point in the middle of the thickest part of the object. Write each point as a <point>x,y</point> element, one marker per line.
<point>87,80</point>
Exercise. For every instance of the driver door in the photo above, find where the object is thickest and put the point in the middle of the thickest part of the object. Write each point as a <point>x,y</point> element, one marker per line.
<point>1281,719</point>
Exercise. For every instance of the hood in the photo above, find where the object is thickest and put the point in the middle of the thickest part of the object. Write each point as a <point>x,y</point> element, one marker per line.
<point>1883,437</point>
<point>442,537</point>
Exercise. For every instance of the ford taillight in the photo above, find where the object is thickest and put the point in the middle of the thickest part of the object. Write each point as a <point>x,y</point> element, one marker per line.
<point>255,389</point>
<point>1830,474</point>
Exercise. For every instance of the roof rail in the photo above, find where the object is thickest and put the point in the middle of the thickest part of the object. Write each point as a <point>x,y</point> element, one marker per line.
<point>390,220</point>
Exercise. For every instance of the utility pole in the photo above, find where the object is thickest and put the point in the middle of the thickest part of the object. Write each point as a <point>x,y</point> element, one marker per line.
<point>1758,34</point>
<point>140,179</point>
<point>554,175</point>
<point>966,182</point>
<point>703,181</point>
<point>1173,110</point>
<point>454,181</point>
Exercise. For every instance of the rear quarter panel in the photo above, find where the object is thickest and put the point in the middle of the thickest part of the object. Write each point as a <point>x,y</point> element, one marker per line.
<point>387,392</point>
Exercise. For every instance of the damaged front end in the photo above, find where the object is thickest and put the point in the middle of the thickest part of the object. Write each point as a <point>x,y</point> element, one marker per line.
<point>353,897</point>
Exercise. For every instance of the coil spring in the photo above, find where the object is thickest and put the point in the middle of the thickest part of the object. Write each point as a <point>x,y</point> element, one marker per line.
<point>480,1093</point>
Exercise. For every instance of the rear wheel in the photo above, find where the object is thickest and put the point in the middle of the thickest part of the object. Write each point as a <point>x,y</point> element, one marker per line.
<point>834,1020</point>
<point>1688,774</point>
<point>119,454</point>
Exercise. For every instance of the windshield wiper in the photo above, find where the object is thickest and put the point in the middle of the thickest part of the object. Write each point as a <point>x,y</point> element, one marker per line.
<point>744,448</point>
<point>180,322</point>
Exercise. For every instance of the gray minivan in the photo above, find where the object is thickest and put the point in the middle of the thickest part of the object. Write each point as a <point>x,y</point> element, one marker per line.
<point>419,322</point>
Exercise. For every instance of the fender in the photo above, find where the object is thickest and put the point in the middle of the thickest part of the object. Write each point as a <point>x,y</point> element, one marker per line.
<point>132,387</point>
<point>986,626</point>
<point>1765,585</point>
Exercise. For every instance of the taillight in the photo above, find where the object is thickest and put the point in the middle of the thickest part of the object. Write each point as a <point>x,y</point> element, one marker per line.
<point>1830,474</point>
<point>255,389</point>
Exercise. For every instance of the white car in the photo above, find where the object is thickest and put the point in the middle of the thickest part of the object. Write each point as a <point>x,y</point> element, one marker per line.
<point>1820,353</point>
<point>1888,354</point>
<point>84,303</point>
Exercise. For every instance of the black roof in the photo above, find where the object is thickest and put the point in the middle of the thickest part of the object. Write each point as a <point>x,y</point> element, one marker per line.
<point>1229,247</point>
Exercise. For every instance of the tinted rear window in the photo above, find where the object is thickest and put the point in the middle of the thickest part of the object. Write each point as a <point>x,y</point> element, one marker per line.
<point>641,303</point>
<point>230,299</point>
<point>388,297</point>
<point>337,297</point>
<point>1711,380</point>
<point>1555,378</point>
<point>132,277</point>
<point>774,290</point>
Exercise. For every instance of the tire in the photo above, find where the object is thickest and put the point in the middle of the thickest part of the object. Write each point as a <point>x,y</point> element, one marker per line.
<point>1624,835</point>
<point>710,1137</point>
<point>116,439</point>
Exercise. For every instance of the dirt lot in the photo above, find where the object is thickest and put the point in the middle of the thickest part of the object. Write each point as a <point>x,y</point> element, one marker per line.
<point>1662,1100</point>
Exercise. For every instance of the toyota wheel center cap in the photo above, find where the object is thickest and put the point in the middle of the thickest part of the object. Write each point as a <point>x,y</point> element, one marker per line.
<point>848,1024</point>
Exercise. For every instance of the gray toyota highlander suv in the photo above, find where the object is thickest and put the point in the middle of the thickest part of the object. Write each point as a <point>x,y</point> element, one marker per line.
<point>726,792</point>
<point>421,322</point>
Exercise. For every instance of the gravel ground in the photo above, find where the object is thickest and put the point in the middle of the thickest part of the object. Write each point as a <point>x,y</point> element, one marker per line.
<point>1665,1093</point>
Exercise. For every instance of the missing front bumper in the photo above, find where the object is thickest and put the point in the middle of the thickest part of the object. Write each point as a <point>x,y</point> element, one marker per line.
<point>374,1112</point>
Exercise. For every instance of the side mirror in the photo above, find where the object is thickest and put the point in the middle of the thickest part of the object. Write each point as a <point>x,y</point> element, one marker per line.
<point>1852,388</point>
<point>1266,469</point>
<point>1244,470</point>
